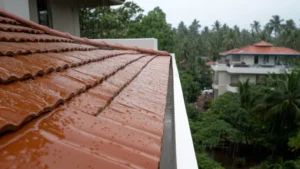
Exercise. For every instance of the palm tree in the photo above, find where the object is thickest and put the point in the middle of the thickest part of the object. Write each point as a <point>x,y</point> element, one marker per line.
<point>290,24</point>
<point>206,30</point>
<point>247,94</point>
<point>255,27</point>
<point>275,24</point>
<point>230,39</point>
<point>237,30</point>
<point>280,107</point>
<point>194,27</point>
<point>217,25</point>
<point>284,94</point>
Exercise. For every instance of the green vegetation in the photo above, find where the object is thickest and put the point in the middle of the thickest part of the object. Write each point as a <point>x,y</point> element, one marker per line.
<point>260,119</point>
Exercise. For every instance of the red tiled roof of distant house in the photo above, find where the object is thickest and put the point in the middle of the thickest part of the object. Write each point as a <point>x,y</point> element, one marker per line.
<point>261,48</point>
<point>210,63</point>
<point>67,102</point>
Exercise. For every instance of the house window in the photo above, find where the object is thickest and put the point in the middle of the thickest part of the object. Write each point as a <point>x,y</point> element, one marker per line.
<point>266,59</point>
<point>44,13</point>
<point>277,60</point>
<point>255,59</point>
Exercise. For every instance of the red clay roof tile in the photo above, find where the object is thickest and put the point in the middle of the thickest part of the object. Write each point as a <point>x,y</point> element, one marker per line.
<point>261,48</point>
<point>25,37</point>
<point>85,107</point>
<point>8,20</point>
<point>18,28</point>
<point>263,44</point>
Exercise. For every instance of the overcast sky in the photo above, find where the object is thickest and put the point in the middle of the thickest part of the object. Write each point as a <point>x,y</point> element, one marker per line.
<point>232,12</point>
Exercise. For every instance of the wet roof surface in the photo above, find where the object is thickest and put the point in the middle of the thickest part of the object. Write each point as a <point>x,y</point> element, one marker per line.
<point>70,105</point>
<point>262,48</point>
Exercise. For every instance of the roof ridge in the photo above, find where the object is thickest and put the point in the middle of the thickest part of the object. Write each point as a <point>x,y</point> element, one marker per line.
<point>78,39</point>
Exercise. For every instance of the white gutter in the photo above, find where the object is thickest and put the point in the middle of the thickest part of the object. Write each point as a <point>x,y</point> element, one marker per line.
<point>185,152</point>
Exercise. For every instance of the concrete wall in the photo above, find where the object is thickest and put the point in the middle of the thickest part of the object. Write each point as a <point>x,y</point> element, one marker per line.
<point>142,42</point>
<point>18,7</point>
<point>65,16</point>
<point>33,12</point>
<point>243,78</point>
<point>222,90</point>
<point>224,78</point>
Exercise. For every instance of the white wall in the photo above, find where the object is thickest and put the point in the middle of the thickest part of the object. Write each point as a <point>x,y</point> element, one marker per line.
<point>18,7</point>
<point>224,78</point>
<point>249,60</point>
<point>272,60</point>
<point>142,42</point>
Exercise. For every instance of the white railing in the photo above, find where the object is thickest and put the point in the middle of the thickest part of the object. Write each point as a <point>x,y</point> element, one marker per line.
<point>185,152</point>
<point>238,67</point>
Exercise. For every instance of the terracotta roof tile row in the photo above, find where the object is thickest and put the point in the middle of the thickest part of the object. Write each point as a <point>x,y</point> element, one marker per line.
<point>120,137</point>
<point>28,66</point>
<point>14,48</point>
<point>18,28</point>
<point>45,93</point>
<point>25,37</point>
<point>77,39</point>
<point>97,98</point>
<point>8,20</point>
<point>142,104</point>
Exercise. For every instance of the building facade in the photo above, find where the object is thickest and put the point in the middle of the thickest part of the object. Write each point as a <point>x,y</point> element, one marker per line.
<point>251,62</point>
<point>62,15</point>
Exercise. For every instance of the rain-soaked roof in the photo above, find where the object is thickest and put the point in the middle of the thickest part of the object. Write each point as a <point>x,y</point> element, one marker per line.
<point>68,102</point>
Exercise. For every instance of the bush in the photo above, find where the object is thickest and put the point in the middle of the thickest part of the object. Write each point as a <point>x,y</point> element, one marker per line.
<point>205,162</point>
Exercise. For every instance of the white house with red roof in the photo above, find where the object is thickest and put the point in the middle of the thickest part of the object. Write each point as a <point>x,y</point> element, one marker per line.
<point>252,62</point>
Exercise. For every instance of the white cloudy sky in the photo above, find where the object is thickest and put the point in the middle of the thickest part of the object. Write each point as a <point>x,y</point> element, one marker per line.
<point>239,12</point>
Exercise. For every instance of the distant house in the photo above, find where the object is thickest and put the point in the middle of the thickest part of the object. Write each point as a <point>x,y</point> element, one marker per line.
<point>62,15</point>
<point>209,63</point>
<point>251,62</point>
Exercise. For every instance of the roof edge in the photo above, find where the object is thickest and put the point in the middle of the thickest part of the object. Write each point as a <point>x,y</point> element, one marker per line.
<point>260,54</point>
<point>78,39</point>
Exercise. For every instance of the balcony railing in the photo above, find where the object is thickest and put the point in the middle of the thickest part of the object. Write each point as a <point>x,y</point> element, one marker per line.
<point>240,67</point>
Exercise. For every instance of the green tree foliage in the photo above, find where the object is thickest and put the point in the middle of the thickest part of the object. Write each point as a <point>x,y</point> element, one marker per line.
<point>127,21</point>
<point>278,164</point>
<point>258,117</point>
<point>191,88</point>
<point>294,142</point>
<point>154,25</point>
<point>106,22</point>
<point>205,162</point>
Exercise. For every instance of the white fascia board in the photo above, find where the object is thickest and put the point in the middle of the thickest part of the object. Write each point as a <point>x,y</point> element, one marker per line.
<point>185,152</point>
